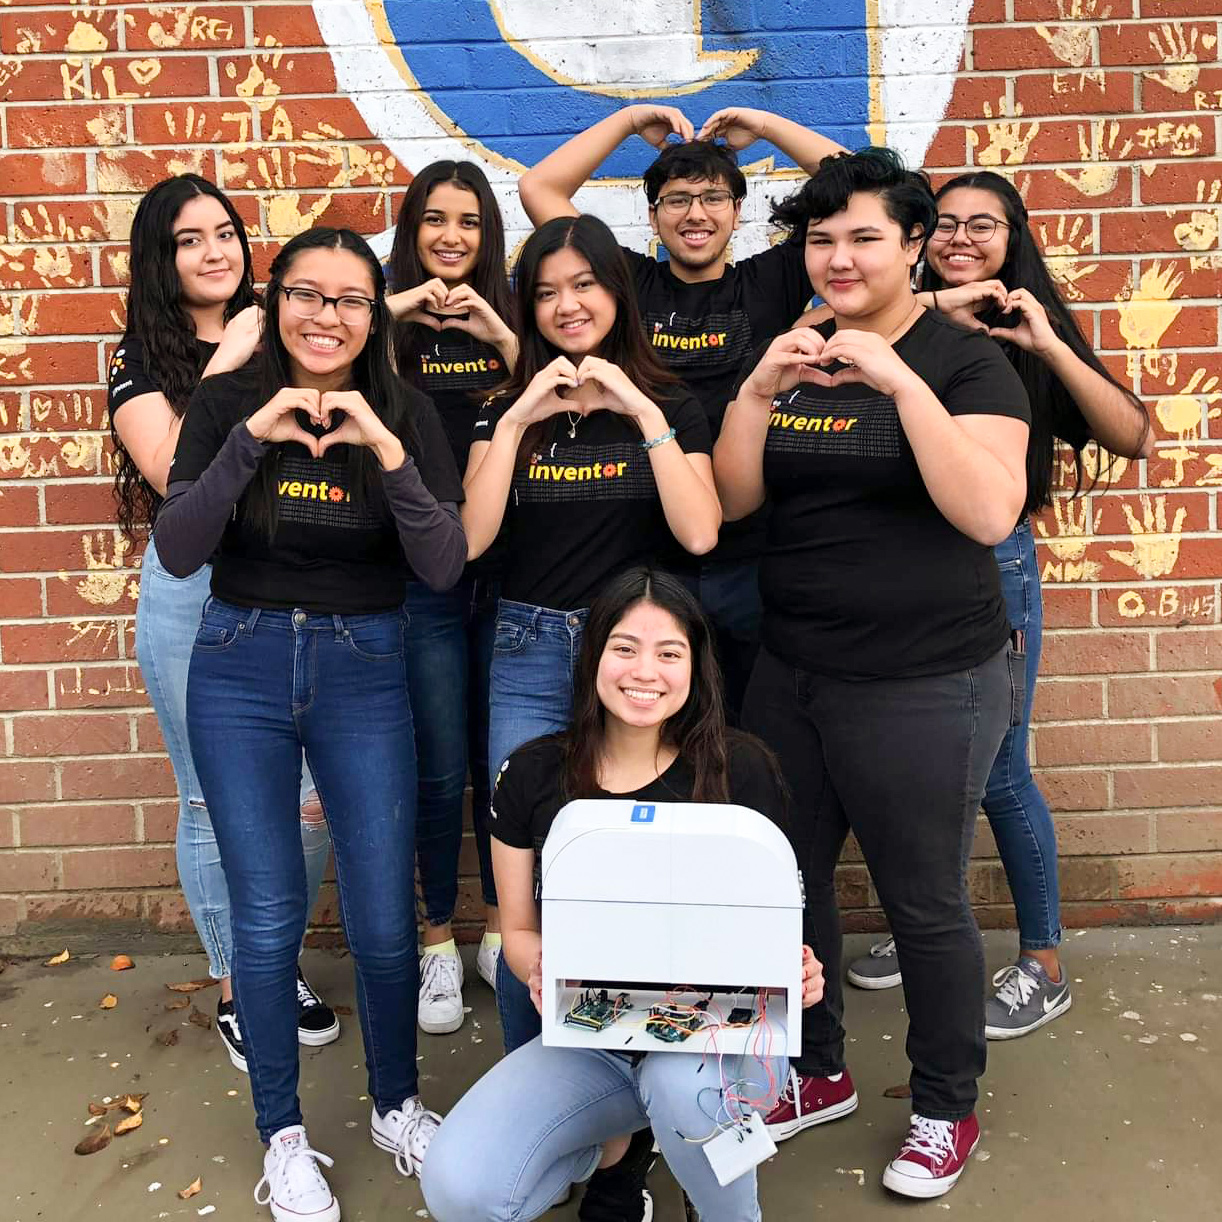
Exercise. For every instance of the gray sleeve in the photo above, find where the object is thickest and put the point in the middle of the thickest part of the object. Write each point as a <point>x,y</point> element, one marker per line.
<point>195,512</point>
<point>430,532</point>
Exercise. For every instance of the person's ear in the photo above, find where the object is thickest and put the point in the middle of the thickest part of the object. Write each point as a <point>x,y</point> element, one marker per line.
<point>738,213</point>
<point>653,218</point>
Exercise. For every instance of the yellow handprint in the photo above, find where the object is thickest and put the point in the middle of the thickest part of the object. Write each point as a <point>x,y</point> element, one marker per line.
<point>1073,529</point>
<point>1097,144</point>
<point>1181,414</point>
<point>1180,53</point>
<point>1008,144</point>
<point>1072,44</point>
<point>1200,231</point>
<point>1145,317</point>
<point>1155,548</point>
<point>1061,256</point>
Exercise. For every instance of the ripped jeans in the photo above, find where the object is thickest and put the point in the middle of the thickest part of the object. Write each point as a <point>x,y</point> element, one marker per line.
<point>167,619</point>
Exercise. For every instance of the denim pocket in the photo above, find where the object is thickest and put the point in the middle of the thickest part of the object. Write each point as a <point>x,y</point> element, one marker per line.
<point>379,640</point>
<point>1017,663</point>
<point>215,635</point>
<point>510,637</point>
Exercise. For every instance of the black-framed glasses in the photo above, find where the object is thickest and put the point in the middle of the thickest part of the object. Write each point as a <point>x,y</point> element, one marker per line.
<point>979,228</point>
<point>676,202</point>
<point>308,303</point>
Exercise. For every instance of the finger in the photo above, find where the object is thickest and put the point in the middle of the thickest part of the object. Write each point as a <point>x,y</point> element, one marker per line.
<point>1004,333</point>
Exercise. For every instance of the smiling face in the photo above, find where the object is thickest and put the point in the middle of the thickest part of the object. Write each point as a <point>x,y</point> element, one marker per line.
<point>573,311</point>
<point>449,235</point>
<point>695,239</point>
<point>645,671</point>
<point>321,349</point>
<point>964,259</point>
<point>858,260</point>
<point>208,253</point>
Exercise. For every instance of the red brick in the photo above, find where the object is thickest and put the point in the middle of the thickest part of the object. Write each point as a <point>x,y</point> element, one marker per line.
<point>1176,465</point>
<point>315,119</point>
<point>36,79</point>
<point>1145,43</point>
<point>1170,8</point>
<point>1159,606</point>
<point>1181,874</point>
<point>71,734</point>
<point>23,689</point>
<point>44,267</point>
<point>1074,790</point>
<point>193,122</point>
<point>1088,878</point>
<point>1158,96</point>
<point>1164,696</point>
<point>87,503</point>
<point>133,171</point>
<point>47,32</point>
<point>27,781</point>
<point>85,595</point>
<point>1071,92</point>
<point>1176,182</point>
<point>87,909</point>
<point>98,687</point>
<point>1055,11</point>
<point>1012,48</point>
<point>145,776</point>
<point>1067,699</point>
<point>1045,190</point>
<point>1194,327</point>
<point>20,598</point>
<point>1113,520</point>
<point>1095,652</point>
<point>18,506</point>
<point>363,211</point>
<point>948,148</point>
<point>79,641</point>
<point>154,76</point>
<point>115,867</point>
<point>148,733</point>
<point>1152,230</point>
<point>47,314</point>
<point>66,824</point>
<point>53,173</point>
<point>71,220</point>
<point>1198,739</point>
<point>188,27</point>
<point>1067,608</point>
<point>1196,557</point>
<point>168,911</point>
<point>1189,785</point>
<point>1093,744</point>
<point>66,126</point>
<point>1189,649</point>
<point>1096,835</point>
<point>289,25</point>
<point>262,166</point>
<point>22,871</point>
<point>1198,277</point>
<point>42,363</point>
<point>54,550</point>
<point>1188,831</point>
<point>160,821</point>
<point>293,71</point>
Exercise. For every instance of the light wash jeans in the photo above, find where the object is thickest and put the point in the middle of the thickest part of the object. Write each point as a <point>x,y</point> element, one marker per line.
<point>536,1122</point>
<point>167,619</point>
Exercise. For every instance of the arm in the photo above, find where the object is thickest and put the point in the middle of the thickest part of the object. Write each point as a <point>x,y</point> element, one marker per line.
<point>547,190</point>
<point>740,126</point>
<point>149,427</point>
<point>685,487</point>
<point>430,532</point>
<point>521,940</point>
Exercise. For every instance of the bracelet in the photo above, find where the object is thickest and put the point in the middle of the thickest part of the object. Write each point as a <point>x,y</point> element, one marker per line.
<point>669,435</point>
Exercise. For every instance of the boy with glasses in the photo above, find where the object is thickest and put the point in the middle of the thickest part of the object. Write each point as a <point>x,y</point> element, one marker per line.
<point>703,314</point>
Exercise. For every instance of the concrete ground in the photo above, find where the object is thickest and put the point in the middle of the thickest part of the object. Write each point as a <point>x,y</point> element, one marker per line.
<point>1113,1112</point>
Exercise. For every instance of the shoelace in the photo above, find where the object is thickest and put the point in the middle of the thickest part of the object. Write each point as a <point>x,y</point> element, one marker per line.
<point>931,1138</point>
<point>883,950</point>
<point>1014,986</point>
<point>306,997</point>
<point>419,1125</point>
<point>439,976</point>
<point>791,1088</point>
<point>288,1168</point>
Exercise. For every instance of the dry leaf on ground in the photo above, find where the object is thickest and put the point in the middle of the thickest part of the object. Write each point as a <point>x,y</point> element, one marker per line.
<point>199,1019</point>
<point>133,1103</point>
<point>108,1002</point>
<point>128,1123</point>
<point>168,1038</point>
<point>343,1011</point>
<point>95,1141</point>
<point>195,1186</point>
<point>56,960</point>
<point>120,963</point>
<point>97,1109</point>
<point>902,1091</point>
<point>191,986</point>
<point>179,1003</point>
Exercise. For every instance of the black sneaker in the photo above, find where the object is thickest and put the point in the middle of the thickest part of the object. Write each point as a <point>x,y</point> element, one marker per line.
<point>316,1021</point>
<point>231,1034</point>
<point>618,1194</point>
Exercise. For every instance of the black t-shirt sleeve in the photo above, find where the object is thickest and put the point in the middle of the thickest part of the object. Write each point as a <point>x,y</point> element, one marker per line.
<point>980,380</point>
<point>213,411</point>
<point>777,286</point>
<point>685,415</point>
<point>126,376</point>
<point>755,781</point>
<point>521,782</point>
<point>490,412</point>
<point>435,458</point>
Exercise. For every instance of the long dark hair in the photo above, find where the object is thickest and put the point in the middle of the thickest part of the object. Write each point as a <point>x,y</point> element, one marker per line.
<point>1024,267</point>
<point>157,318</point>
<point>405,270</point>
<point>372,374</point>
<point>625,344</point>
<point>697,731</point>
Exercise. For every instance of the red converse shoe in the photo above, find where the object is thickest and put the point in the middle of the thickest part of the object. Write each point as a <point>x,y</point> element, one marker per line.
<point>807,1101</point>
<point>932,1157</point>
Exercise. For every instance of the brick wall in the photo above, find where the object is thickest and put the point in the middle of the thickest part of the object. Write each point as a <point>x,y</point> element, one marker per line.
<point>1106,113</point>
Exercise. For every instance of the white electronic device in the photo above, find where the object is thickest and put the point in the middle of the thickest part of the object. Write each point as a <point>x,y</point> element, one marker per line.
<point>646,898</point>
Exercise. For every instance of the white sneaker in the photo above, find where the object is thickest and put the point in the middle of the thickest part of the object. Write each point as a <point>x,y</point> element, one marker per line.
<point>485,961</point>
<point>440,1009</point>
<point>296,1189</point>
<point>405,1133</point>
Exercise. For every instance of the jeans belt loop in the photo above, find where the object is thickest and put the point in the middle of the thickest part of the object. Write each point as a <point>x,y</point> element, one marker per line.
<point>252,618</point>
<point>337,622</point>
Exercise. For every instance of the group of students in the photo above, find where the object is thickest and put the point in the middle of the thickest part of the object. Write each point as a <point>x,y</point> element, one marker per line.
<point>672,471</point>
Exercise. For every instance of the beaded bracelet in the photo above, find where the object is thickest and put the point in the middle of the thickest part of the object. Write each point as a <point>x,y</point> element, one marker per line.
<point>669,435</point>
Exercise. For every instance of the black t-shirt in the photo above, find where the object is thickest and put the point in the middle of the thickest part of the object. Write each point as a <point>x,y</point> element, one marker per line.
<point>586,507</point>
<point>127,375</point>
<point>329,553</point>
<point>703,333</point>
<point>528,794</point>
<point>863,577</point>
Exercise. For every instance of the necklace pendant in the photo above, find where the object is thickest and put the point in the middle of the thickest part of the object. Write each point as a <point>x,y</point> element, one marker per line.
<point>572,431</point>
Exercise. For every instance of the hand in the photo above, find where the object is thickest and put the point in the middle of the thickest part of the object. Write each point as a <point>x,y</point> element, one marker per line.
<point>868,358</point>
<point>534,982</point>
<point>620,393</point>
<point>812,978</point>
<point>239,341</point>
<point>654,123</point>
<point>539,400</point>
<point>964,301</point>
<point>411,304</point>
<point>791,358</point>
<point>360,426</point>
<point>1034,332</point>
<point>276,420</point>
<point>481,320</point>
<point>738,126</point>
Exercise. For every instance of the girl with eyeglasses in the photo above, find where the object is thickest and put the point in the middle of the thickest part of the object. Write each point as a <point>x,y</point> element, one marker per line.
<point>192,312</point>
<point>451,300</point>
<point>984,270</point>
<point>321,482</point>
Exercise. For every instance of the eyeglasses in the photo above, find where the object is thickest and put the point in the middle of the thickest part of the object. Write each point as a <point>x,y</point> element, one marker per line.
<point>680,201</point>
<point>979,228</point>
<point>307,303</point>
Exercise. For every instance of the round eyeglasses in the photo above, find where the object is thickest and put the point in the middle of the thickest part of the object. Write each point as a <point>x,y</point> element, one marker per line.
<point>979,228</point>
<point>307,303</point>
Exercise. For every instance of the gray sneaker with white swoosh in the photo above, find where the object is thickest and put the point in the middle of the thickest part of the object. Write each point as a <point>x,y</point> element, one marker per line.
<point>1026,999</point>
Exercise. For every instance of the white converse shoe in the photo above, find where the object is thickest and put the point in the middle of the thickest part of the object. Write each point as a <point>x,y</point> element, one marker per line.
<point>440,1009</point>
<point>405,1133</point>
<point>485,961</point>
<point>295,1188</point>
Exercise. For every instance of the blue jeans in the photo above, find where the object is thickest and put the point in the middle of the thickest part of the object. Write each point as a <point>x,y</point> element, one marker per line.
<point>536,1122</point>
<point>167,618</point>
<point>520,1021</point>
<point>531,691</point>
<point>264,686</point>
<point>449,655</point>
<point>1019,816</point>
